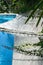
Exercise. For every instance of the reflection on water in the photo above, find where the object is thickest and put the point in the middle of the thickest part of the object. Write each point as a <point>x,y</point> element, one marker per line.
<point>6,54</point>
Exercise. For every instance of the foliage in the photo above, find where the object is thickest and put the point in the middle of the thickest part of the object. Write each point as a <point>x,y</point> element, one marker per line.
<point>6,5</point>
<point>42,31</point>
<point>25,49</point>
<point>39,5</point>
<point>29,49</point>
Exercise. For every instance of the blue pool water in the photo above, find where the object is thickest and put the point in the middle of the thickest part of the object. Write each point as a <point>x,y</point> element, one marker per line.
<point>6,40</point>
<point>6,18</point>
<point>5,53</point>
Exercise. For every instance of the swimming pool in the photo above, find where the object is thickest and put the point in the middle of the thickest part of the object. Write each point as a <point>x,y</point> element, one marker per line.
<point>6,18</point>
<point>6,39</point>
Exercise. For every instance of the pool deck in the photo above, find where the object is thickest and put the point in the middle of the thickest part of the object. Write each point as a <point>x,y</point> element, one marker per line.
<point>18,25</point>
<point>21,59</point>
